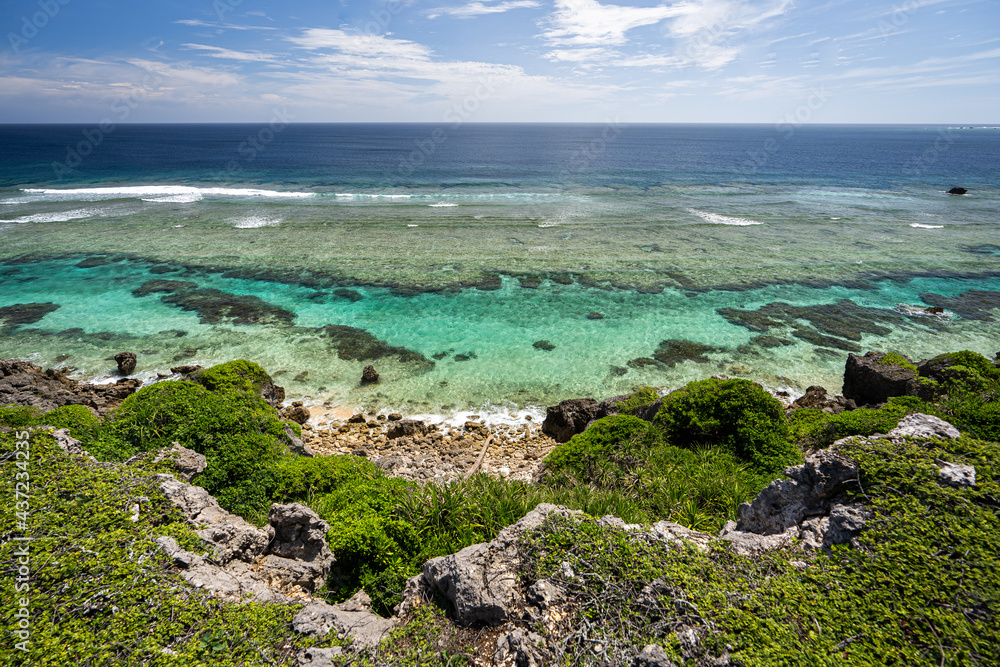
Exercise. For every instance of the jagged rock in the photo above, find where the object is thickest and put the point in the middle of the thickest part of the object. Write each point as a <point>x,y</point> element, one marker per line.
<point>785,503</point>
<point>406,428</point>
<point>545,594</point>
<point>297,413</point>
<point>652,656</point>
<point>231,537</point>
<point>187,462</point>
<point>957,475</point>
<point>69,444</point>
<point>320,657</point>
<point>24,383</point>
<point>480,581</point>
<point>126,362</point>
<point>667,531</point>
<point>295,444</point>
<point>369,375</point>
<point>844,522</point>
<point>353,618</point>
<point>924,426</point>
<point>817,398</point>
<point>181,558</point>
<point>570,417</point>
<point>520,648</point>
<point>868,381</point>
<point>185,370</point>
<point>290,555</point>
<point>957,191</point>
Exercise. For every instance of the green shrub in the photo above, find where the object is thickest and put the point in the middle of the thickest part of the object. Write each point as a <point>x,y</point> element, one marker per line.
<point>605,453</point>
<point>814,429</point>
<point>739,415</point>
<point>240,435</point>
<point>964,372</point>
<point>19,416</point>
<point>640,398</point>
<point>896,359</point>
<point>81,422</point>
<point>239,376</point>
<point>970,414</point>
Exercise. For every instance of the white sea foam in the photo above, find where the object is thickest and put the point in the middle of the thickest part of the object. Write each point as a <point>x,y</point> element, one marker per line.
<point>155,193</point>
<point>717,219</point>
<point>920,226</point>
<point>60,216</point>
<point>442,204</point>
<point>255,221</point>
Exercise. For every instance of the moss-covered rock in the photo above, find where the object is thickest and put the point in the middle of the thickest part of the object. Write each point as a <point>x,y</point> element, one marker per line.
<point>736,414</point>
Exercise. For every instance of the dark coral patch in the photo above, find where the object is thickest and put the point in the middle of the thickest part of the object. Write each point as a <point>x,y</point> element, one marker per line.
<point>971,305</point>
<point>672,352</point>
<point>24,313</point>
<point>355,344</point>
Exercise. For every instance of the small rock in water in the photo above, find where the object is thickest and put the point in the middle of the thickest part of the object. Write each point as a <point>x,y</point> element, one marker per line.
<point>126,362</point>
<point>957,191</point>
<point>595,316</point>
<point>368,375</point>
<point>544,345</point>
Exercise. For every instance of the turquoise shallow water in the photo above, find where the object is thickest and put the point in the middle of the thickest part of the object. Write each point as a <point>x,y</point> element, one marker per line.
<point>447,275</point>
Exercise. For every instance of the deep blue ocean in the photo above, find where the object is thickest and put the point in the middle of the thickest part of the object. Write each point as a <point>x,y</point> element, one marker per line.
<point>497,267</point>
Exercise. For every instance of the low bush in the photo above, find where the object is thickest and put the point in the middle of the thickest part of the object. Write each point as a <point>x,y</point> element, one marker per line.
<point>83,424</point>
<point>238,376</point>
<point>19,416</point>
<point>240,435</point>
<point>738,415</point>
<point>814,429</point>
<point>604,454</point>
<point>640,398</point>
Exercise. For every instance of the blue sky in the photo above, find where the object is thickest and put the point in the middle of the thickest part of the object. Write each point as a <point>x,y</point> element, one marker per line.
<point>760,61</point>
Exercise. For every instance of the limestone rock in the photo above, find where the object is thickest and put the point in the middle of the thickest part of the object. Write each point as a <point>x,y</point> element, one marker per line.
<point>363,626</point>
<point>520,648</point>
<point>320,657</point>
<point>187,462</point>
<point>785,503</point>
<point>954,474</point>
<point>24,383</point>
<point>570,417</point>
<point>69,444</point>
<point>126,362</point>
<point>297,413</point>
<point>295,444</point>
<point>924,426</point>
<point>480,581</point>
<point>652,656</point>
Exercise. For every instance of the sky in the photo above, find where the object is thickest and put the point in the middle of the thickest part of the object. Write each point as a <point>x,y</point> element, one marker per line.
<point>707,61</point>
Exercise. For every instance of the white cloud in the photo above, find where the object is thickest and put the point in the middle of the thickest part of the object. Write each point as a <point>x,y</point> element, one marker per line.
<point>227,54</point>
<point>589,23</point>
<point>705,33</point>
<point>367,46</point>
<point>476,8</point>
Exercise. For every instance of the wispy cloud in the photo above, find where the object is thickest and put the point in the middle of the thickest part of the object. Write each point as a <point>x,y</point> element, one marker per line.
<point>472,9</point>
<point>589,23</point>
<point>229,54</point>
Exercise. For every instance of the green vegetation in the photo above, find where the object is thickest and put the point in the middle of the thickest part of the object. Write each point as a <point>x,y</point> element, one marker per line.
<point>814,429</point>
<point>738,415</point>
<point>640,398</point>
<point>18,416</point>
<point>101,591</point>
<point>240,376</point>
<point>924,589</point>
<point>896,359</point>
